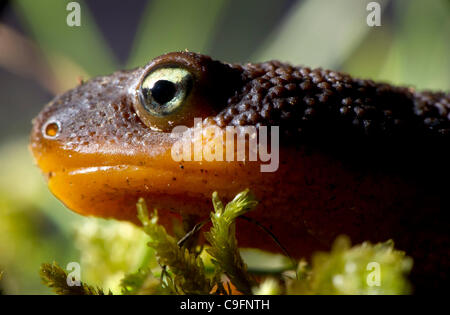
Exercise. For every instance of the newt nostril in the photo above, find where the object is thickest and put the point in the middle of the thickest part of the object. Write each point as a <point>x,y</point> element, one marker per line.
<point>51,129</point>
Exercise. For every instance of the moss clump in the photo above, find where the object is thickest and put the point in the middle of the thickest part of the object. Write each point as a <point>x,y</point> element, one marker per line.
<point>361,269</point>
<point>188,270</point>
<point>54,277</point>
<point>222,237</point>
<point>183,269</point>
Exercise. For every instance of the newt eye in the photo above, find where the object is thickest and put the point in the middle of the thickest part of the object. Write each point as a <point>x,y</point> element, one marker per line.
<point>164,90</point>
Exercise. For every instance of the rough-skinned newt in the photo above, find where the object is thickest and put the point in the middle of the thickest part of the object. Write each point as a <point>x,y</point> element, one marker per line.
<point>356,157</point>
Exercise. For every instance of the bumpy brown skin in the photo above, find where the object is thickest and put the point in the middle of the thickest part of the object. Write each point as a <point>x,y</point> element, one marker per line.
<point>360,158</point>
<point>303,100</point>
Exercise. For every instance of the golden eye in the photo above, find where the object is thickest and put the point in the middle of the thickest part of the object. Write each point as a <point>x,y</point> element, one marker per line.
<point>164,90</point>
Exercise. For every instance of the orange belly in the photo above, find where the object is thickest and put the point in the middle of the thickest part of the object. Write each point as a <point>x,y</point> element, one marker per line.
<point>306,203</point>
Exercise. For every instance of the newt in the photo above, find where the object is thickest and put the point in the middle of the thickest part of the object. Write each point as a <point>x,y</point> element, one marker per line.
<point>356,157</point>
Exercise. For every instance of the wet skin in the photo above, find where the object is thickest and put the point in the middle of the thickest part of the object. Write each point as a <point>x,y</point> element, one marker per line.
<point>356,157</point>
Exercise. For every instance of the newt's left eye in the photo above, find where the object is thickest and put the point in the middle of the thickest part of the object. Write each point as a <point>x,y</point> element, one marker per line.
<point>177,88</point>
<point>164,90</point>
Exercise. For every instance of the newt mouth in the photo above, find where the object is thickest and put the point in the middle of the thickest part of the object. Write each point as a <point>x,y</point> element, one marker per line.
<point>112,190</point>
<point>108,184</point>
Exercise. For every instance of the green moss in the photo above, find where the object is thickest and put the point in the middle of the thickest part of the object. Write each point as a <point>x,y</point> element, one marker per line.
<point>222,237</point>
<point>361,269</point>
<point>1,275</point>
<point>142,282</point>
<point>187,268</point>
<point>54,277</point>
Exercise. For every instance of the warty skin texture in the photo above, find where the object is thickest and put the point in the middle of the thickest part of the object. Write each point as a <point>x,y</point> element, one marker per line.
<point>365,159</point>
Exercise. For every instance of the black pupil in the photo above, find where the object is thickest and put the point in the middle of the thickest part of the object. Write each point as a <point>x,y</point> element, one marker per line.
<point>163,91</point>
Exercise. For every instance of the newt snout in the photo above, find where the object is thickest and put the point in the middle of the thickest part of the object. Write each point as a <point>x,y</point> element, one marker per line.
<point>356,157</point>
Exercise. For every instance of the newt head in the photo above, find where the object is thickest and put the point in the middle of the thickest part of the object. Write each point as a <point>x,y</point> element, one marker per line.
<point>107,142</point>
<point>351,151</point>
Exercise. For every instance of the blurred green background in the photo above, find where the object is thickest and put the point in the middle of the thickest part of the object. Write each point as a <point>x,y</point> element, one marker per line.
<point>40,56</point>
